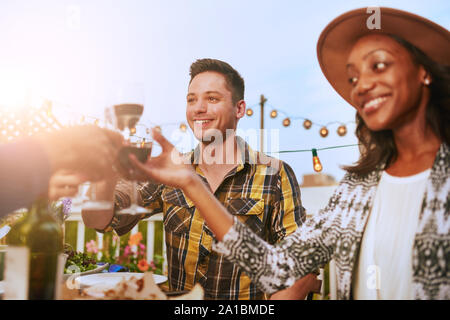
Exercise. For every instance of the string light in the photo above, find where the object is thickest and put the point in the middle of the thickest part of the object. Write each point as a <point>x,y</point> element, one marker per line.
<point>316,162</point>
<point>273,114</point>
<point>28,122</point>
<point>323,132</point>
<point>307,124</point>
<point>342,130</point>
<point>41,118</point>
<point>315,156</point>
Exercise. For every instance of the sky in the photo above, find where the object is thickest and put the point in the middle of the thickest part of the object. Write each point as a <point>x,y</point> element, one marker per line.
<point>73,52</point>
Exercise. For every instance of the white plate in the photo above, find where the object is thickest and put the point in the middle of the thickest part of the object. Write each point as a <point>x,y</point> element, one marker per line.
<point>4,231</point>
<point>113,278</point>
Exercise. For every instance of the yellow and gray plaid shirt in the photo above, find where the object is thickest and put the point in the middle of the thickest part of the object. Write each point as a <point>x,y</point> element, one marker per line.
<point>261,191</point>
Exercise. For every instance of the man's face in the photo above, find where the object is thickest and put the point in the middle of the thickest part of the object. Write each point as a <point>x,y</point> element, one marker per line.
<point>210,107</point>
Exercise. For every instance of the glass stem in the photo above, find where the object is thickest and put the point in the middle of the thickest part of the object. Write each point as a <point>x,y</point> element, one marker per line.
<point>135,193</point>
<point>93,192</point>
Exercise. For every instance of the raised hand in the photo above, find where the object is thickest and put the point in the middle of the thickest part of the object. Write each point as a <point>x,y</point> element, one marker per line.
<point>87,150</point>
<point>170,167</point>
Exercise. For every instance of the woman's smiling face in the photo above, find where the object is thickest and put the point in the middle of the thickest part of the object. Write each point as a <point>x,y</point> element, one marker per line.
<point>387,85</point>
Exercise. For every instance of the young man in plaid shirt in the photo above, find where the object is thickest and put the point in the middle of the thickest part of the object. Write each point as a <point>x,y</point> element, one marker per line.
<point>261,191</point>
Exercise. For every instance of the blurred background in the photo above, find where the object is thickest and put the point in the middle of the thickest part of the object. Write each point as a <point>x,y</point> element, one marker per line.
<point>71,52</point>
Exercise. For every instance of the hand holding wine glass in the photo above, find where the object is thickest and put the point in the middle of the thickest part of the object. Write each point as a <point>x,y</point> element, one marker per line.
<point>170,167</point>
<point>87,149</point>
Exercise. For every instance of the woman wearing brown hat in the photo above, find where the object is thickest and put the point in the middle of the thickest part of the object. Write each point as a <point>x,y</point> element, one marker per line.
<point>387,224</point>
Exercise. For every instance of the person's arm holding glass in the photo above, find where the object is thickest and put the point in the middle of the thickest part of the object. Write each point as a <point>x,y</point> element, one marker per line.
<point>122,190</point>
<point>168,168</point>
<point>397,80</point>
<point>26,166</point>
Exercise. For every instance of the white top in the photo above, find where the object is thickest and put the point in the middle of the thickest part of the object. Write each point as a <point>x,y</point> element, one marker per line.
<point>385,260</point>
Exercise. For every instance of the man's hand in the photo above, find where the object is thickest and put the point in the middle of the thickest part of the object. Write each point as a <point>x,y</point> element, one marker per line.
<point>300,289</point>
<point>170,167</point>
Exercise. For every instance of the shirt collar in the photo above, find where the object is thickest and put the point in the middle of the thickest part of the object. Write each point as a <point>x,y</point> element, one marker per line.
<point>247,155</point>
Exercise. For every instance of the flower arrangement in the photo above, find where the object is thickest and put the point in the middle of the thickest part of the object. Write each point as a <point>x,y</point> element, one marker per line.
<point>132,254</point>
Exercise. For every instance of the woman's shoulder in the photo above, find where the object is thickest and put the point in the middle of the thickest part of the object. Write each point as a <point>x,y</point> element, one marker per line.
<point>368,179</point>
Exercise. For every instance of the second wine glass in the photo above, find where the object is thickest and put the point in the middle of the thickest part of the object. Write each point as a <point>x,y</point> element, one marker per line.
<point>125,112</point>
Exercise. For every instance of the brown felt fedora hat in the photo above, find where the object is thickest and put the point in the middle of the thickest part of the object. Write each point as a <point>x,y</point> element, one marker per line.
<point>339,36</point>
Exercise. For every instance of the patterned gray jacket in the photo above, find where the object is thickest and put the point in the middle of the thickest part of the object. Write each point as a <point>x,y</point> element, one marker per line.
<point>336,233</point>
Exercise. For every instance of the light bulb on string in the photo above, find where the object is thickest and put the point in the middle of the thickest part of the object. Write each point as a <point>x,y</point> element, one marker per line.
<point>342,130</point>
<point>132,130</point>
<point>307,124</point>
<point>273,114</point>
<point>143,143</point>
<point>287,122</point>
<point>249,112</point>
<point>183,127</point>
<point>316,162</point>
<point>323,132</point>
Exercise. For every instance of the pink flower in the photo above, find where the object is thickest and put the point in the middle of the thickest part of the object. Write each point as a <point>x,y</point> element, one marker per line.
<point>142,251</point>
<point>91,247</point>
<point>127,251</point>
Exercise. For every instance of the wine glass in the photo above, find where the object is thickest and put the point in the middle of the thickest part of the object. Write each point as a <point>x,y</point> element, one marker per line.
<point>125,112</point>
<point>92,204</point>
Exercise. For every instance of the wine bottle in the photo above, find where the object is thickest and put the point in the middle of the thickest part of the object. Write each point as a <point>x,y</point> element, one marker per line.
<point>35,247</point>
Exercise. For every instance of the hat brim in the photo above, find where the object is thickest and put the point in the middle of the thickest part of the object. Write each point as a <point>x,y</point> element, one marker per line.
<point>339,36</point>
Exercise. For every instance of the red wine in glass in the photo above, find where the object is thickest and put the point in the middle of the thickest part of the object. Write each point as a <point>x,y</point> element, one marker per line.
<point>141,153</point>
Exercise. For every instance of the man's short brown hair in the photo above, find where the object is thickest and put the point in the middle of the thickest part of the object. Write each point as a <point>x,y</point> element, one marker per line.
<point>233,79</point>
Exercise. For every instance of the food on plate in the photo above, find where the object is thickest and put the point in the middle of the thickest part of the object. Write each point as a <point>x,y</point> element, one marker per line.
<point>134,288</point>
<point>196,293</point>
<point>78,261</point>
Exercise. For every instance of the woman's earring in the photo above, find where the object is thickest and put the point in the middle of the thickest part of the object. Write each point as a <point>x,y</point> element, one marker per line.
<point>427,81</point>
